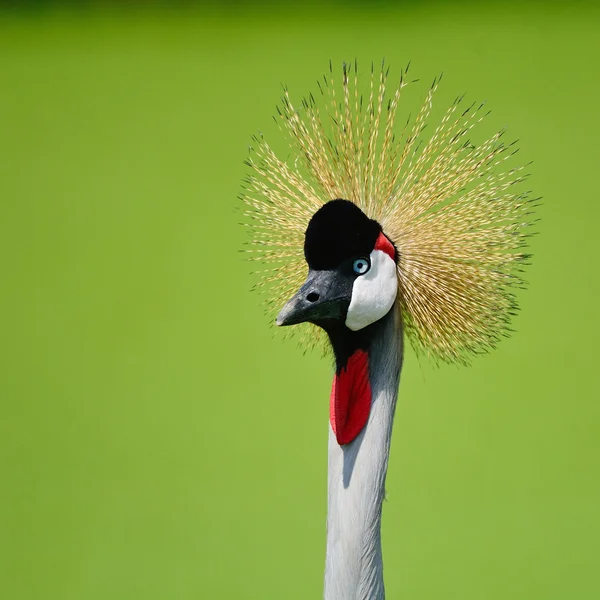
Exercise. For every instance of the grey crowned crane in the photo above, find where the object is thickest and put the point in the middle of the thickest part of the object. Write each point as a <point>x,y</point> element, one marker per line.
<point>403,233</point>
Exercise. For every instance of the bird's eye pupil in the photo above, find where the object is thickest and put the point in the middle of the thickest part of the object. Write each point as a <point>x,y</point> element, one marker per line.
<point>361,266</point>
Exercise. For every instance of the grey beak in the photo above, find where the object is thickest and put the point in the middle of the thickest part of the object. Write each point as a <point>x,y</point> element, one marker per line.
<point>325,295</point>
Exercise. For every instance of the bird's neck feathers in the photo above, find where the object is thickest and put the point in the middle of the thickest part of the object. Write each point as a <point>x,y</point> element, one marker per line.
<point>367,367</point>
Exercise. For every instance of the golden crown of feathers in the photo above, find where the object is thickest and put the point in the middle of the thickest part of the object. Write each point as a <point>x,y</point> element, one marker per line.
<point>451,207</point>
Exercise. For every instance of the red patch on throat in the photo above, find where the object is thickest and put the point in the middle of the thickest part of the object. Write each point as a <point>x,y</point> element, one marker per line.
<point>383,244</point>
<point>350,400</point>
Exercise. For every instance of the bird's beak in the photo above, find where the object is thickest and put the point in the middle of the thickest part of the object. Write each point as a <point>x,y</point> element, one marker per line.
<point>324,296</point>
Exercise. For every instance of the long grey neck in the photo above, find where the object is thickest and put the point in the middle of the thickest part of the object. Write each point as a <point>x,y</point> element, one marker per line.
<point>356,480</point>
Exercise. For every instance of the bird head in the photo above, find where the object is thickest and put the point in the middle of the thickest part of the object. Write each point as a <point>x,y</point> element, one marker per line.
<point>352,278</point>
<point>432,223</point>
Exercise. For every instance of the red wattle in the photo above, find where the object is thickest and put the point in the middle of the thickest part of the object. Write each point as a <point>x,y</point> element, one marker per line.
<point>350,400</point>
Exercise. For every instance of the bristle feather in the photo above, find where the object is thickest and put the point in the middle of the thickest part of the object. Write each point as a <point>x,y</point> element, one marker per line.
<point>449,206</point>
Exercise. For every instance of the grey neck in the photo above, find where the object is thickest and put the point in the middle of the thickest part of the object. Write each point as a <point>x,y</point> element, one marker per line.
<point>356,480</point>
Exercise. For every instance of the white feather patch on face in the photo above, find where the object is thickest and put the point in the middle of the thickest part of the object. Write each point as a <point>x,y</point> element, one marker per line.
<point>373,293</point>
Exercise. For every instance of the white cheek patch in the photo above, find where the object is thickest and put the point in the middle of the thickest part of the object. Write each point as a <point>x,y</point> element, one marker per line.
<point>373,293</point>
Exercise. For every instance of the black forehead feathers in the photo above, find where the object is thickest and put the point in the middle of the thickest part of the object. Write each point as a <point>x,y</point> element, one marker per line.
<point>339,230</point>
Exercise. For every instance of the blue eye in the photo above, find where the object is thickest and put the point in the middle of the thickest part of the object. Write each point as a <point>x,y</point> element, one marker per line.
<point>361,265</point>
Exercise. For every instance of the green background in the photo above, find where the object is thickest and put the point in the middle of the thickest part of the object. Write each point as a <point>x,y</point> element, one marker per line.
<point>157,440</point>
